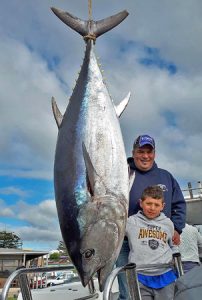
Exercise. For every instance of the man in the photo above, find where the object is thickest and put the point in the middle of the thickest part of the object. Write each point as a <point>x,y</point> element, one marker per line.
<point>144,172</point>
<point>191,243</point>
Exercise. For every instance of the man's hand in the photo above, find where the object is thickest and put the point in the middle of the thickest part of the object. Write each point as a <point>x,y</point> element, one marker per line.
<point>176,238</point>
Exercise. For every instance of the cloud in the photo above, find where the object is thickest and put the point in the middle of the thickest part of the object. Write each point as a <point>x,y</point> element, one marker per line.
<point>35,235</point>
<point>29,140</point>
<point>42,215</point>
<point>5,211</point>
<point>43,69</point>
<point>12,190</point>
<point>38,223</point>
<point>166,105</point>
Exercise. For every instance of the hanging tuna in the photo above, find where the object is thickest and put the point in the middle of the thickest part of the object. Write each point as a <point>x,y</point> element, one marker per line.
<point>90,170</point>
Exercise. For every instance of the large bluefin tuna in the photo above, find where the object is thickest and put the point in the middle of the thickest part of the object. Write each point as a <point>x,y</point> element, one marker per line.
<point>90,171</point>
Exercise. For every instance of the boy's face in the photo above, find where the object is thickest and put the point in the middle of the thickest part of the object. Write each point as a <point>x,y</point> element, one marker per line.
<point>152,207</point>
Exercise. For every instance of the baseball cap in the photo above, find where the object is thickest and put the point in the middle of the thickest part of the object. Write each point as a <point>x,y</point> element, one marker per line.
<point>144,139</point>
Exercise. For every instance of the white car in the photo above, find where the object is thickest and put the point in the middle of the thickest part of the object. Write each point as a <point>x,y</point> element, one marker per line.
<point>62,278</point>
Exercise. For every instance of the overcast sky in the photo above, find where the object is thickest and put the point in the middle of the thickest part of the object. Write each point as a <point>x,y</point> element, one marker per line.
<point>155,53</point>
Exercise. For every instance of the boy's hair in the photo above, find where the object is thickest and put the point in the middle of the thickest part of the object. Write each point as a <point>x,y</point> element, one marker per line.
<point>154,192</point>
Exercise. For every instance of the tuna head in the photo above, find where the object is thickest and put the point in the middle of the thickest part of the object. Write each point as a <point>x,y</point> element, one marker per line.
<point>104,222</point>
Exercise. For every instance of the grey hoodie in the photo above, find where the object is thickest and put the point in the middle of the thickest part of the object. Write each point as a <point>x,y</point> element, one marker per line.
<point>150,241</point>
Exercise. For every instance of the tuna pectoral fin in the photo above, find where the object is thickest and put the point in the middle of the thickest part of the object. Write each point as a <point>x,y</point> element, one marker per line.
<point>57,114</point>
<point>90,27</point>
<point>122,105</point>
<point>94,181</point>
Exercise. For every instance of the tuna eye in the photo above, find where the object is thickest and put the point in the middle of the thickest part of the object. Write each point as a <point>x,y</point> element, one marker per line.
<point>89,253</point>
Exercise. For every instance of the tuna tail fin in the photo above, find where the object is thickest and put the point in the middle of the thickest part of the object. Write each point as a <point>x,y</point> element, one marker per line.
<point>90,28</point>
<point>122,105</point>
<point>107,24</point>
<point>56,112</point>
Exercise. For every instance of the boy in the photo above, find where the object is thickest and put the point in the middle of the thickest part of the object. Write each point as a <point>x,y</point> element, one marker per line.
<point>150,235</point>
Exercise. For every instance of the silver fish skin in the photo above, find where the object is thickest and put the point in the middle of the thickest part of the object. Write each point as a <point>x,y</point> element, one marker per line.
<point>91,172</point>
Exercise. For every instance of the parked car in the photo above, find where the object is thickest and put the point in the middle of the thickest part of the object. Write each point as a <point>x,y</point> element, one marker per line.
<point>37,282</point>
<point>60,279</point>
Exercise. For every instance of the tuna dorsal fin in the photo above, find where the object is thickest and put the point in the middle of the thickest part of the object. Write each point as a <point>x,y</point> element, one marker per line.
<point>96,183</point>
<point>56,112</point>
<point>122,105</point>
<point>90,28</point>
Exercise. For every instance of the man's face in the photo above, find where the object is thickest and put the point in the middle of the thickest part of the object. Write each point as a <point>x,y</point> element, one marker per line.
<point>144,157</point>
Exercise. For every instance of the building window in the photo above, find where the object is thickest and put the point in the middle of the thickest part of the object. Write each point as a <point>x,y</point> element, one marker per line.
<point>9,264</point>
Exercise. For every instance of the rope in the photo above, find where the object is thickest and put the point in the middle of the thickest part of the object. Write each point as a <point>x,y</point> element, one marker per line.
<point>90,9</point>
<point>90,36</point>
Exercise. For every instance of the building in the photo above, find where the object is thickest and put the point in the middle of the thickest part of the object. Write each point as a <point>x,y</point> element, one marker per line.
<point>11,259</point>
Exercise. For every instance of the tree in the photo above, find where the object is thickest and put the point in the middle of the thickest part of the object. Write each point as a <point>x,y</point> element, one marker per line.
<point>10,240</point>
<point>63,250</point>
<point>54,256</point>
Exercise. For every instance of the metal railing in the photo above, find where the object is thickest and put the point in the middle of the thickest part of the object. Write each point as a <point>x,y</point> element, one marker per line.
<point>131,274</point>
<point>190,192</point>
<point>130,269</point>
<point>21,275</point>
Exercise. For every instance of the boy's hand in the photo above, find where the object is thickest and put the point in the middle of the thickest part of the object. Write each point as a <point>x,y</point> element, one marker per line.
<point>176,238</point>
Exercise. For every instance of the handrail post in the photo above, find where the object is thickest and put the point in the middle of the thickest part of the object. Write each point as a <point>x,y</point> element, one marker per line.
<point>200,188</point>
<point>24,285</point>
<point>190,190</point>
<point>132,279</point>
<point>178,263</point>
<point>109,282</point>
<point>25,288</point>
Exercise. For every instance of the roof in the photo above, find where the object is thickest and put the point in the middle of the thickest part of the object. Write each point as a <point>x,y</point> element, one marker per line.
<point>30,254</point>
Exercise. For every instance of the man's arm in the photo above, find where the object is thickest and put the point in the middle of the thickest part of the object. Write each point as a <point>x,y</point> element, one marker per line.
<point>178,210</point>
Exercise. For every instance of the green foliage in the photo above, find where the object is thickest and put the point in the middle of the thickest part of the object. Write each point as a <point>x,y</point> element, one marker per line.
<point>10,240</point>
<point>63,250</point>
<point>54,256</point>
